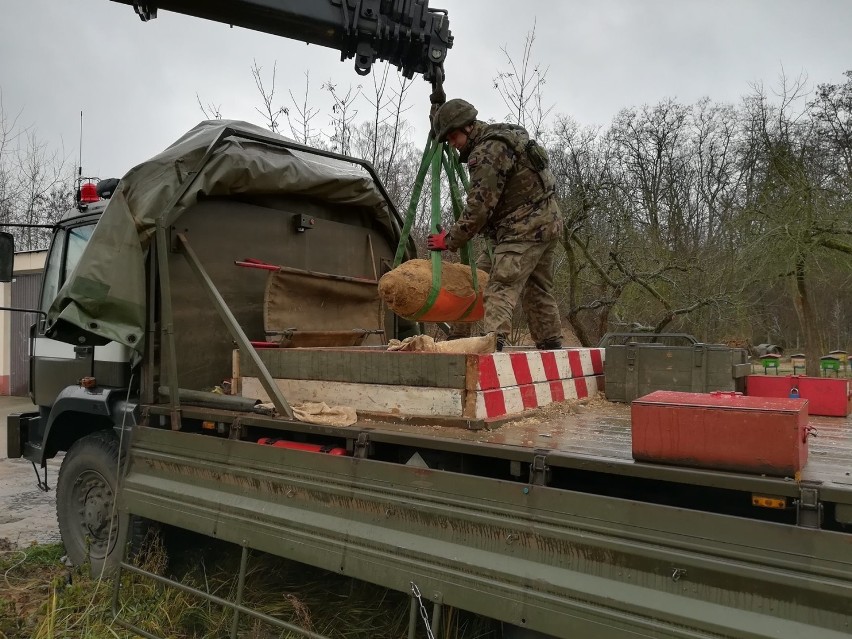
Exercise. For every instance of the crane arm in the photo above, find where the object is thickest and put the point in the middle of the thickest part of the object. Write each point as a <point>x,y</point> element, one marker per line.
<point>406,33</point>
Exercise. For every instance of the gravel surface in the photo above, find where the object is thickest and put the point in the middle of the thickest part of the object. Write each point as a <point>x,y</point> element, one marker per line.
<point>27,514</point>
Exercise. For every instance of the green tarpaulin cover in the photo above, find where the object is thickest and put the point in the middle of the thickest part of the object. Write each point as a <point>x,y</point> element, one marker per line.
<point>105,295</point>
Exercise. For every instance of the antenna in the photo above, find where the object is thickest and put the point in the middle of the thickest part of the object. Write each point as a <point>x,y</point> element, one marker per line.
<point>79,180</point>
<point>80,163</point>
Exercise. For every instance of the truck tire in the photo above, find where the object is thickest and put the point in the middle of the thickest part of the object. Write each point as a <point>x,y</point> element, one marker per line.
<point>89,522</point>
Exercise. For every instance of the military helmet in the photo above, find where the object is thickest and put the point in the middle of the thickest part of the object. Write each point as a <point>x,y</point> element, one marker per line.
<point>453,114</point>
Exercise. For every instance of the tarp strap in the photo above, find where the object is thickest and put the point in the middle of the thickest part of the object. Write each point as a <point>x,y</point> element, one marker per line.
<point>457,163</point>
<point>453,170</point>
<point>411,213</point>
<point>436,222</point>
<point>435,157</point>
<point>454,154</point>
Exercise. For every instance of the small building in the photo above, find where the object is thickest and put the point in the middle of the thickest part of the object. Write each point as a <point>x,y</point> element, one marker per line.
<point>22,292</point>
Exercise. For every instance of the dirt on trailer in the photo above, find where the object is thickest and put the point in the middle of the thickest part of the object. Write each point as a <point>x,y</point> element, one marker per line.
<point>406,288</point>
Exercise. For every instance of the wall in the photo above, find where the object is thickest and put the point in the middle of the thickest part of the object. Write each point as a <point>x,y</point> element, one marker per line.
<point>29,262</point>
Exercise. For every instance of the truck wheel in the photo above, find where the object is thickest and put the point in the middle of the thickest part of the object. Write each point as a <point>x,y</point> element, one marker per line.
<point>85,502</point>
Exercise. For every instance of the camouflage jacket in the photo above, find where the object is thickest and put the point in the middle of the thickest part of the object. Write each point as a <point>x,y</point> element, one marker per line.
<point>508,200</point>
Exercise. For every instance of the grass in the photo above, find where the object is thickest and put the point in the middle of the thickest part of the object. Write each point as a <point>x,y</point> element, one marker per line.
<point>40,598</point>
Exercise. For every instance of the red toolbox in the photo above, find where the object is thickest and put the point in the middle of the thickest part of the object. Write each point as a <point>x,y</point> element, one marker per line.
<point>826,396</point>
<point>726,431</point>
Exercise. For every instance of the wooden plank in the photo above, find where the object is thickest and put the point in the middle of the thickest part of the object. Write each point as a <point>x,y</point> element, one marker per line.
<point>469,408</point>
<point>471,377</point>
<point>373,398</point>
<point>358,366</point>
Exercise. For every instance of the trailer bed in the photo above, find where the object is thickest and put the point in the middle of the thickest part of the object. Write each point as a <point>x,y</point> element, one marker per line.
<point>595,436</point>
<point>569,558</point>
<point>589,436</point>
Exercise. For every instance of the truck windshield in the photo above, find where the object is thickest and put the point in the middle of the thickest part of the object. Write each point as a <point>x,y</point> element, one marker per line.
<point>68,245</point>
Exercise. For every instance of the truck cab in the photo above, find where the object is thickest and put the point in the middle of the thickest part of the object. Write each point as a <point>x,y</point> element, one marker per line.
<point>55,365</point>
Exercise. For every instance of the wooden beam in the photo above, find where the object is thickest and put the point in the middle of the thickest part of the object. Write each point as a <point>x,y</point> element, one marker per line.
<point>434,370</point>
<point>373,398</point>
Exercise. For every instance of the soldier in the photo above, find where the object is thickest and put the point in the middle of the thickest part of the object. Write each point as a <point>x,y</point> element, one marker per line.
<point>512,202</point>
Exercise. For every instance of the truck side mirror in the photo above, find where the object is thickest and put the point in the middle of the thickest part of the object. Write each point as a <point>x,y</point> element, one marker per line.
<point>7,256</point>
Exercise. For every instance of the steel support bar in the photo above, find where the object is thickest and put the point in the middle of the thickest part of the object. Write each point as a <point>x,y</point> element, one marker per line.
<point>167,340</point>
<point>241,583</point>
<point>301,271</point>
<point>437,608</point>
<point>236,607</point>
<point>235,329</point>
<point>412,618</point>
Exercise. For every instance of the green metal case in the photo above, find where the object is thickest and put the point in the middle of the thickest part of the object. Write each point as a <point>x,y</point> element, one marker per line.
<point>635,369</point>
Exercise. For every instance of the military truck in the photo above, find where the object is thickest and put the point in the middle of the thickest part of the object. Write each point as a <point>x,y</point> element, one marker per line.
<point>156,312</point>
<point>544,523</point>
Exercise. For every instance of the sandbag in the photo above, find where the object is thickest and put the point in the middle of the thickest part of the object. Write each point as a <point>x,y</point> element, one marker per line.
<point>426,344</point>
<point>316,413</point>
<point>406,289</point>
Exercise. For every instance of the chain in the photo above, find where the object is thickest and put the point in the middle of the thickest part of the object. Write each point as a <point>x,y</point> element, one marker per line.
<point>423,614</point>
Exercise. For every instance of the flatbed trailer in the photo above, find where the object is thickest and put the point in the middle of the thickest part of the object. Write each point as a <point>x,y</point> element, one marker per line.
<point>545,523</point>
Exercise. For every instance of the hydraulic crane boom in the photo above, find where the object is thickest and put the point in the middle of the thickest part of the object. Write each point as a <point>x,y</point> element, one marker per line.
<point>406,33</point>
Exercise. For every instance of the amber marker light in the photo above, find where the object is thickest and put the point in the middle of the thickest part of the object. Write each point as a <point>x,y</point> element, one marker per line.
<point>766,501</point>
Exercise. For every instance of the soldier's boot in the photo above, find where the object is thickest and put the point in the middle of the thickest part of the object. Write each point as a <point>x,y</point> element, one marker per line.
<point>501,340</point>
<point>550,344</point>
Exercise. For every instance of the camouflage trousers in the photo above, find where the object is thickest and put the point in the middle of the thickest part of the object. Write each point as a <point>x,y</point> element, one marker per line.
<point>519,270</point>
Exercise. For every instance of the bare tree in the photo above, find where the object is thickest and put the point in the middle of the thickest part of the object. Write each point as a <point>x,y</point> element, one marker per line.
<point>343,114</point>
<point>580,163</point>
<point>400,126</point>
<point>637,242</point>
<point>379,104</point>
<point>832,114</point>
<point>35,182</point>
<point>211,111</point>
<point>10,132</point>
<point>269,111</point>
<point>521,88</point>
<point>385,138</point>
<point>794,205</point>
<point>301,122</point>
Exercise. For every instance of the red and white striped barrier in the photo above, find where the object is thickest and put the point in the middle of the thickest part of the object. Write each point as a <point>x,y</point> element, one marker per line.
<point>500,370</point>
<point>498,402</point>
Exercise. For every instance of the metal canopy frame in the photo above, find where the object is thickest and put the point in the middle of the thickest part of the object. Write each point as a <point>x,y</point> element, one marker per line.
<point>163,246</point>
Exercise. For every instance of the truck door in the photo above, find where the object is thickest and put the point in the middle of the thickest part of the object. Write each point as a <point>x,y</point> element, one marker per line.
<point>54,364</point>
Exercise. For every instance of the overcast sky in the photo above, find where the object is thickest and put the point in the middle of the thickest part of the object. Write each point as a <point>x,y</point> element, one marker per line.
<point>136,82</point>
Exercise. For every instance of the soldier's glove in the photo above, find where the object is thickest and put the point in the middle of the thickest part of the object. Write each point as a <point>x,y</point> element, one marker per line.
<point>437,241</point>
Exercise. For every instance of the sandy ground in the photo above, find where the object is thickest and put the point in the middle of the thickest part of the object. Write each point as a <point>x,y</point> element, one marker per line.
<point>27,515</point>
